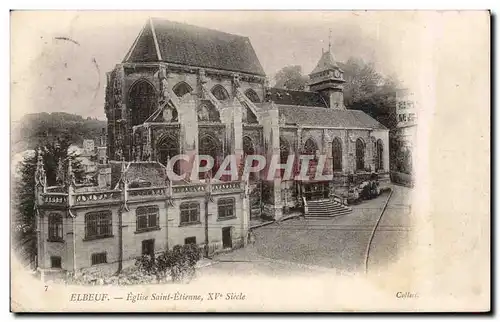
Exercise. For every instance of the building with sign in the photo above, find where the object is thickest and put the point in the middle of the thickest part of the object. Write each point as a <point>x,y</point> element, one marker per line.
<point>186,90</point>
<point>404,136</point>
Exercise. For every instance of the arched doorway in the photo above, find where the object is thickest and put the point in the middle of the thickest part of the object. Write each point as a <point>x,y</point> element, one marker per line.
<point>337,155</point>
<point>360,154</point>
<point>379,156</point>
<point>167,148</point>
<point>141,102</point>
<point>209,145</point>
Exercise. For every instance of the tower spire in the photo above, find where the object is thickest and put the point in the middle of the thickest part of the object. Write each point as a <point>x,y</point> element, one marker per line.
<point>330,40</point>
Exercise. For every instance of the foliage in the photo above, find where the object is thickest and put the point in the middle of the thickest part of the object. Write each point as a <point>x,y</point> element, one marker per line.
<point>55,157</point>
<point>178,263</point>
<point>40,129</point>
<point>290,77</point>
<point>400,155</point>
<point>365,89</point>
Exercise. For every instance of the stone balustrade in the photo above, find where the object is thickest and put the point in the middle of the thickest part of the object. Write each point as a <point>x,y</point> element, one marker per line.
<point>147,193</point>
<point>55,198</point>
<point>97,197</point>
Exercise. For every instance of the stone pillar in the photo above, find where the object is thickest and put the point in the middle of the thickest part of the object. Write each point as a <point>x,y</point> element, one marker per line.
<point>69,262</point>
<point>272,138</point>
<point>245,212</point>
<point>188,120</point>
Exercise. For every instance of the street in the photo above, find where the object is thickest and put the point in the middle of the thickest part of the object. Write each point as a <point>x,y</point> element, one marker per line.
<point>300,245</point>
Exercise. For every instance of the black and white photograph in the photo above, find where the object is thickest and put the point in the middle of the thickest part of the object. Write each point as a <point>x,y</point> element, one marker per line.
<point>256,161</point>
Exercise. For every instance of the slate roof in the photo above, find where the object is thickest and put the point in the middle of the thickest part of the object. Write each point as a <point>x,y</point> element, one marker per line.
<point>327,117</point>
<point>303,98</point>
<point>326,62</point>
<point>194,46</point>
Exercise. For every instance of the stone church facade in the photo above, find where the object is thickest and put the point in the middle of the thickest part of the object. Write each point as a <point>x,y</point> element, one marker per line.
<point>186,90</point>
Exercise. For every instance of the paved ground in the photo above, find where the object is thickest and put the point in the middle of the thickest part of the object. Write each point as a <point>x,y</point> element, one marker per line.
<point>337,243</point>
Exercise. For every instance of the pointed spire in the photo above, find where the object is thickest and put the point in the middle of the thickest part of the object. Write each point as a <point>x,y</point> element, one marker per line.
<point>71,174</point>
<point>40,175</point>
<point>330,40</point>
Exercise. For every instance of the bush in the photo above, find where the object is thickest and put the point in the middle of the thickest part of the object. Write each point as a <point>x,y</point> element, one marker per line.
<point>178,263</point>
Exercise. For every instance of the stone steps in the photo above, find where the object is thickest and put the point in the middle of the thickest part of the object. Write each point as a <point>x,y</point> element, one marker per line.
<point>326,208</point>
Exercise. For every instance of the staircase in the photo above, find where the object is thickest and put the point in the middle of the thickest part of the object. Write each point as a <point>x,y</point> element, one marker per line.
<point>326,208</point>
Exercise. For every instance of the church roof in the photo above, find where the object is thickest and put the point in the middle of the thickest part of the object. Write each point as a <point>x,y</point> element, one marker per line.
<point>327,117</point>
<point>303,98</point>
<point>326,62</point>
<point>174,42</point>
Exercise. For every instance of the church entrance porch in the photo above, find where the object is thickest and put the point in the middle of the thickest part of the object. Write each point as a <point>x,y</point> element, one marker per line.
<point>316,190</point>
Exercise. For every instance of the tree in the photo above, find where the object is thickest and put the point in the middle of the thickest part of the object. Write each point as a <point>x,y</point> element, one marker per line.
<point>290,77</point>
<point>56,159</point>
<point>367,90</point>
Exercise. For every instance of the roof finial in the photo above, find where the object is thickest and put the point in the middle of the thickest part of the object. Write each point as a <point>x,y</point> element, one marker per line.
<point>330,40</point>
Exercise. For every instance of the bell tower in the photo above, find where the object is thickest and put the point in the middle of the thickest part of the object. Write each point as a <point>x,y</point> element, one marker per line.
<point>328,79</point>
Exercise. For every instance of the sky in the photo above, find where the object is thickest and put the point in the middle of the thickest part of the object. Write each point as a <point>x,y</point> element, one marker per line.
<point>59,59</point>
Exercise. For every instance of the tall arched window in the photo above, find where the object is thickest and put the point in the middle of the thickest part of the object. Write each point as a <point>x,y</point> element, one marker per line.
<point>249,149</point>
<point>209,145</point>
<point>220,92</point>
<point>337,154</point>
<point>360,155</point>
<point>379,159</point>
<point>55,227</point>
<point>207,113</point>
<point>167,148</point>
<point>252,95</point>
<point>310,147</point>
<point>141,102</point>
<point>284,150</point>
<point>181,89</point>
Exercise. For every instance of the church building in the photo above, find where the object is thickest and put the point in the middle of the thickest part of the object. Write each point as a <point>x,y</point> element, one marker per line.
<point>187,90</point>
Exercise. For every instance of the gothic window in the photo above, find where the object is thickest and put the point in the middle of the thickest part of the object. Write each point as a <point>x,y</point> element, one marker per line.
<point>337,154</point>
<point>190,212</point>
<point>247,115</point>
<point>142,101</point>
<point>55,227</point>
<point>220,92</point>
<point>208,145</point>
<point>225,207</point>
<point>98,224</point>
<point>379,156</point>
<point>284,150</point>
<point>181,89</point>
<point>360,155</point>
<point>248,149</point>
<point>147,218</point>
<point>207,113</point>
<point>310,147</point>
<point>252,96</point>
<point>167,148</point>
